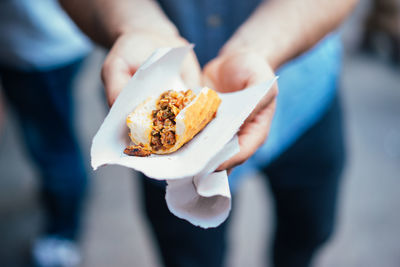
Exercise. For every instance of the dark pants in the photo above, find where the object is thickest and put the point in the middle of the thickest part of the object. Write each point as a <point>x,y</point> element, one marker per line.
<point>42,101</point>
<point>304,181</point>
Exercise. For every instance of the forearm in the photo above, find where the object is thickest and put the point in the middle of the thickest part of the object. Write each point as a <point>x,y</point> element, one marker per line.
<point>283,29</point>
<point>105,20</point>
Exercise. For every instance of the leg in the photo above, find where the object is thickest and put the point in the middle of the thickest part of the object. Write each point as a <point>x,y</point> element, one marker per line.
<point>304,181</point>
<point>181,244</point>
<point>43,104</point>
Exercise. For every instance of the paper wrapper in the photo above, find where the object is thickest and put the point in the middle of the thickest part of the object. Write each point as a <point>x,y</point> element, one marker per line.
<point>194,192</point>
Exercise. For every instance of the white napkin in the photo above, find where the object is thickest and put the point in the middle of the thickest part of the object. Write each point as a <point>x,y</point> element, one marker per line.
<point>194,192</point>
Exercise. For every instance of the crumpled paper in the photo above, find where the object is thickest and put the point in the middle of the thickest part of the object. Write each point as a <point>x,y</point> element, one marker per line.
<point>194,192</point>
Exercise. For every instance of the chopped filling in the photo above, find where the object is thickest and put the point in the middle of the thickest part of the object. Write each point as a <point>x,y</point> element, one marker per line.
<point>168,107</point>
<point>138,151</point>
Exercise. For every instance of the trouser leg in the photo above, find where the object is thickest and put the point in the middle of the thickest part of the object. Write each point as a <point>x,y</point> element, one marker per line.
<point>304,182</point>
<point>43,104</point>
<point>181,244</point>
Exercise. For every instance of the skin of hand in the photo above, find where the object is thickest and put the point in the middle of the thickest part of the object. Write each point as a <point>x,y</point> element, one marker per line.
<point>131,49</point>
<point>236,71</point>
<point>288,29</point>
<point>254,51</point>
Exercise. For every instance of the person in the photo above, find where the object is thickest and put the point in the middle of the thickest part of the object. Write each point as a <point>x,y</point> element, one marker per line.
<point>238,44</point>
<point>41,51</point>
<point>383,23</point>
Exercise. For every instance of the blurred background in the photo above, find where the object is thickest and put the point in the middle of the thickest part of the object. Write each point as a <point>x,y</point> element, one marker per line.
<point>115,232</point>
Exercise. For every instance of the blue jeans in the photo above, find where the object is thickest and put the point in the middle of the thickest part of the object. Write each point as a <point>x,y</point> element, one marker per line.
<point>304,182</point>
<point>42,101</point>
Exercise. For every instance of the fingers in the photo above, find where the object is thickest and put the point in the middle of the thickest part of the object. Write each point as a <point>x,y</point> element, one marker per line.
<point>228,73</point>
<point>251,136</point>
<point>237,71</point>
<point>115,74</point>
<point>238,159</point>
<point>210,74</point>
<point>264,102</point>
<point>131,50</point>
<point>191,72</point>
<point>241,71</point>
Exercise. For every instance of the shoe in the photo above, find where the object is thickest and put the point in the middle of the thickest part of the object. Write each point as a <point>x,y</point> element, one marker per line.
<point>52,251</point>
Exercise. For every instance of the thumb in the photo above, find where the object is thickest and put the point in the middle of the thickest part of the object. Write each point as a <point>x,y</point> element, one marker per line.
<point>115,74</point>
<point>239,71</point>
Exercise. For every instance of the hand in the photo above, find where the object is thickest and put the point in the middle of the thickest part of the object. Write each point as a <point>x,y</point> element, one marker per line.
<point>131,50</point>
<point>236,71</point>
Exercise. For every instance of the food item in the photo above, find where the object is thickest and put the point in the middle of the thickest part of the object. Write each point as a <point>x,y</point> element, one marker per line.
<point>163,124</point>
<point>138,151</point>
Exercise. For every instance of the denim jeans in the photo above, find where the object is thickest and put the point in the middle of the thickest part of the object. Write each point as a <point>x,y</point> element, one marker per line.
<point>42,101</point>
<point>304,182</point>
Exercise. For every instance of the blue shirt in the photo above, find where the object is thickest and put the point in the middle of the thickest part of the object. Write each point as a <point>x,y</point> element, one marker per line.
<point>307,84</point>
<point>38,35</point>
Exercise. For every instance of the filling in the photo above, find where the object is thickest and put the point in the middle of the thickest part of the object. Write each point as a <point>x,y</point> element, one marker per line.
<point>138,151</point>
<point>168,107</point>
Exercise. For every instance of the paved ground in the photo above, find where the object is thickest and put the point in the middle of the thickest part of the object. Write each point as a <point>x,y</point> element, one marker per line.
<point>115,232</point>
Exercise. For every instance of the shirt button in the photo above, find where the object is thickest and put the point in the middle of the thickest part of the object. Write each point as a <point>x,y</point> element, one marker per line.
<point>214,21</point>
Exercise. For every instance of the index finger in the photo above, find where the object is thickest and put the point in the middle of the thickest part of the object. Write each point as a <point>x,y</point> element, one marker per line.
<point>115,74</point>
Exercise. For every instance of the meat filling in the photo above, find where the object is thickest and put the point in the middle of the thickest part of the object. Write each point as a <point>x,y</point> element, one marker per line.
<point>138,151</point>
<point>168,106</point>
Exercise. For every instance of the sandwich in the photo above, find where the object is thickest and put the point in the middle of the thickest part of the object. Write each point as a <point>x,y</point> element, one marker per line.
<point>163,124</point>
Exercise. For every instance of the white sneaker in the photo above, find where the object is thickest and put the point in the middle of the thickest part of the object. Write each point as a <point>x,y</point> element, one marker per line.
<point>52,251</point>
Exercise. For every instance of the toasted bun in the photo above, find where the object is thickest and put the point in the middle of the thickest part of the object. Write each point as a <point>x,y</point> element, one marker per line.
<point>140,122</point>
<point>189,122</point>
